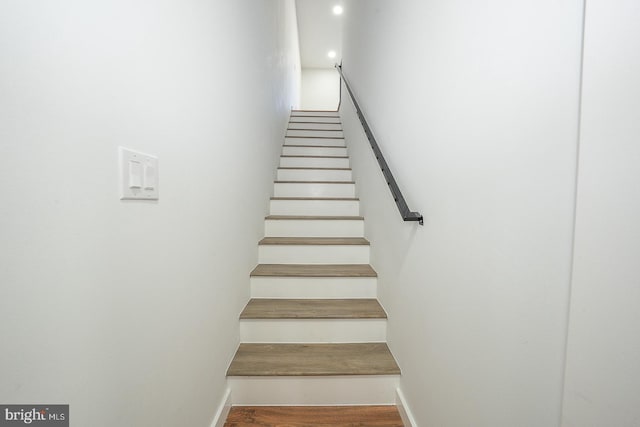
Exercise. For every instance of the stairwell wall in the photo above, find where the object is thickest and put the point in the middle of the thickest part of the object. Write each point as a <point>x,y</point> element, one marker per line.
<point>602,385</point>
<point>128,311</point>
<point>475,106</point>
<point>320,89</point>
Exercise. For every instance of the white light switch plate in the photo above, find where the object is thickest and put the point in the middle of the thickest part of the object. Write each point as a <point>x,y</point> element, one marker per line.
<point>138,175</point>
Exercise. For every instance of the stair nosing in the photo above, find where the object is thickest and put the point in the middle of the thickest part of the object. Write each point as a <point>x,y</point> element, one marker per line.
<point>314,137</point>
<point>348,199</point>
<point>314,241</point>
<point>336,112</point>
<point>317,130</point>
<point>315,308</point>
<point>314,270</point>
<point>311,120</point>
<point>316,157</point>
<point>301,110</point>
<point>315,123</point>
<point>314,218</point>
<point>315,146</point>
<point>320,169</point>
<point>314,182</point>
<point>316,117</point>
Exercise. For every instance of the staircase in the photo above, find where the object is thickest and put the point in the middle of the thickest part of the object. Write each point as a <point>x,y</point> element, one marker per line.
<point>313,332</point>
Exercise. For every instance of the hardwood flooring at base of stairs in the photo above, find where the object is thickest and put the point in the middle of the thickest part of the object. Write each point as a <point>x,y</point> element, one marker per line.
<point>316,416</point>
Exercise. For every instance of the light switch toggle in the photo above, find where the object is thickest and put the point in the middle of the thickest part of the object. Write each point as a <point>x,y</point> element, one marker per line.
<point>149,177</point>
<point>135,174</point>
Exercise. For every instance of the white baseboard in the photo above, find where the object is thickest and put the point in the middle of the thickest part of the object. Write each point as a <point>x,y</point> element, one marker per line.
<point>223,410</point>
<point>405,412</point>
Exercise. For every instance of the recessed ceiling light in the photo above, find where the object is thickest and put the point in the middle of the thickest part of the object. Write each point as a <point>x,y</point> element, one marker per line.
<point>331,54</point>
<point>337,10</point>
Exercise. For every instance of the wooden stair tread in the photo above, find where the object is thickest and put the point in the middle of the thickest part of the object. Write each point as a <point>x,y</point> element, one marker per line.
<point>314,182</point>
<point>317,130</point>
<point>314,111</point>
<point>314,217</point>
<point>317,157</point>
<point>315,146</point>
<point>313,360</point>
<point>336,112</point>
<point>266,308</point>
<point>313,270</point>
<point>316,119</point>
<point>316,137</point>
<point>349,241</point>
<point>352,199</point>
<point>315,123</point>
<point>313,117</point>
<point>314,416</point>
<point>321,169</point>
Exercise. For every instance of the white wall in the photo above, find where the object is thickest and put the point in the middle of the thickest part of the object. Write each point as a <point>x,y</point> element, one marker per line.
<point>603,375</point>
<point>475,105</point>
<point>320,89</point>
<point>128,310</point>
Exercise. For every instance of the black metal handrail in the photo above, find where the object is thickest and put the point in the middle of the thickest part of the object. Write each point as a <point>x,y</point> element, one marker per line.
<point>405,212</point>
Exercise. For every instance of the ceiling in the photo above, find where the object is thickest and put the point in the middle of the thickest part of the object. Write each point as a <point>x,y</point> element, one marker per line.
<point>319,31</point>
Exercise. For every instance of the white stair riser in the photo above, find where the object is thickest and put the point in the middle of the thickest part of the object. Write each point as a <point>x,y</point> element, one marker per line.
<point>315,207</point>
<point>313,228</point>
<point>338,390</point>
<point>323,134</point>
<point>313,141</point>
<point>313,330</point>
<point>298,119</point>
<point>314,151</point>
<point>313,254</point>
<point>314,175</point>
<point>316,126</point>
<point>296,113</point>
<point>313,190</point>
<point>314,162</point>
<point>314,287</point>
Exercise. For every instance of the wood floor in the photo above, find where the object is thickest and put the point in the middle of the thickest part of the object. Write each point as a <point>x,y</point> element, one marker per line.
<point>316,416</point>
